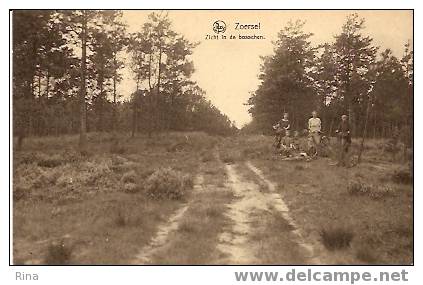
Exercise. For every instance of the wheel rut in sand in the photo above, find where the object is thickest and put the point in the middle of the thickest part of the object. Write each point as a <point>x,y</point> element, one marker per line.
<point>234,242</point>
<point>282,208</point>
<point>160,239</point>
<point>239,243</point>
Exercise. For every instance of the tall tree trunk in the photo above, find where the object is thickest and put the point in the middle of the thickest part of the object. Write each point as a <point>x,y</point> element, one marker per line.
<point>56,124</point>
<point>348,96</point>
<point>100,123</point>
<point>151,126</point>
<point>25,119</point>
<point>39,85</point>
<point>364,130</point>
<point>114,92</point>
<point>83,91</point>
<point>47,82</point>
<point>134,114</point>
<point>374,124</point>
<point>160,105</point>
<point>135,108</point>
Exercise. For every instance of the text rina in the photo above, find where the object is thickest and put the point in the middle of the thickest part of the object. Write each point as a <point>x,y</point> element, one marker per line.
<point>26,276</point>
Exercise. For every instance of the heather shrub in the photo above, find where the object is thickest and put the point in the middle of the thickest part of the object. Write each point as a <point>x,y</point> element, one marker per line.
<point>26,158</point>
<point>257,150</point>
<point>299,167</point>
<point>179,146</point>
<point>382,191</point>
<point>88,173</point>
<point>58,254</point>
<point>375,192</point>
<point>64,180</point>
<point>358,188</point>
<point>166,183</point>
<point>207,156</point>
<point>71,156</point>
<point>50,161</point>
<point>31,176</point>
<point>121,165</point>
<point>117,147</point>
<point>92,172</point>
<point>46,178</point>
<point>20,192</point>
<point>366,254</point>
<point>121,219</point>
<point>402,177</point>
<point>129,177</point>
<point>131,187</point>
<point>229,157</point>
<point>336,238</point>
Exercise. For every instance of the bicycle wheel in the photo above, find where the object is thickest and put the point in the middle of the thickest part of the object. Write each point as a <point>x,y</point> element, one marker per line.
<point>276,142</point>
<point>325,149</point>
<point>325,141</point>
<point>312,151</point>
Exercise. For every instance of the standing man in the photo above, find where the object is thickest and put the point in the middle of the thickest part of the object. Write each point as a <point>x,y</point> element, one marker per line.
<point>314,127</point>
<point>344,138</point>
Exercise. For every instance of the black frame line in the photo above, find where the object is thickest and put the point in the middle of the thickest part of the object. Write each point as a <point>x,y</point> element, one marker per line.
<point>231,265</point>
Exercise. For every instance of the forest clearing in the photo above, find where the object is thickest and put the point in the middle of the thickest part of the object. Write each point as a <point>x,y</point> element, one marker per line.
<point>101,209</point>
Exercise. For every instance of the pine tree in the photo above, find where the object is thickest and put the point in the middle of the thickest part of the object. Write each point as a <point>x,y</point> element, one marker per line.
<point>355,55</point>
<point>286,78</point>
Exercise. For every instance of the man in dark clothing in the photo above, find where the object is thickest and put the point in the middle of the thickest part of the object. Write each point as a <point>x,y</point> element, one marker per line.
<point>344,138</point>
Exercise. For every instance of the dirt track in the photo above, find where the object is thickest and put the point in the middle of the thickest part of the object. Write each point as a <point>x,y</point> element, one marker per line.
<point>242,240</point>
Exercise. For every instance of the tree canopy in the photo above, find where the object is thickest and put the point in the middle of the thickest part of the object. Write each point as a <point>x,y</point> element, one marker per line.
<point>67,66</point>
<point>342,77</point>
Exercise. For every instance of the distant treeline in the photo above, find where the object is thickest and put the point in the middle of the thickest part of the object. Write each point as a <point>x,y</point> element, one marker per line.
<point>67,66</point>
<point>349,76</point>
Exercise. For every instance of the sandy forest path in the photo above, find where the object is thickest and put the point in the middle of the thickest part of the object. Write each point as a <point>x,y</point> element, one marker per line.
<point>255,205</point>
<point>241,221</point>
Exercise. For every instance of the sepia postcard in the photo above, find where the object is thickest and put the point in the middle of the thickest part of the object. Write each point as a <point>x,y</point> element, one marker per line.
<point>212,137</point>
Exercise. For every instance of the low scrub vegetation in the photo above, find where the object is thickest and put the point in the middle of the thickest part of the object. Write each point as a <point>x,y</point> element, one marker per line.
<point>58,254</point>
<point>257,151</point>
<point>50,161</point>
<point>207,156</point>
<point>299,167</point>
<point>166,183</point>
<point>228,158</point>
<point>129,177</point>
<point>336,238</point>
<point>131,187</point>
<point>117,147</point>
<point>121,219</point>
<point>366,254</point>
<point>402,177</point>
<point>358,188</point>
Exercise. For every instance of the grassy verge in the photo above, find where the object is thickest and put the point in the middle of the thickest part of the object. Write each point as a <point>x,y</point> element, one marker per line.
<point>378,219</point>
<point>96,208</point>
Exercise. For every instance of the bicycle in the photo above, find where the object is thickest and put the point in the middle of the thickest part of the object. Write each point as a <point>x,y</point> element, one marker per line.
<point>318,149</point>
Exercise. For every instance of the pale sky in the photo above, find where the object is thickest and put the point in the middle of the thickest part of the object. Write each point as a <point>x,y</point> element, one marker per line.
<point>227,69</point>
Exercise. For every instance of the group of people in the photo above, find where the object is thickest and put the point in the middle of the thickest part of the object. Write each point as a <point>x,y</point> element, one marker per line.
<point>299,144</point>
